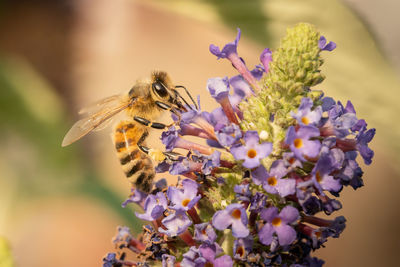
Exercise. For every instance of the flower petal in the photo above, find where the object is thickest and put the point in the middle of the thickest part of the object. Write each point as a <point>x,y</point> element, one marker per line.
<point>286,234</point>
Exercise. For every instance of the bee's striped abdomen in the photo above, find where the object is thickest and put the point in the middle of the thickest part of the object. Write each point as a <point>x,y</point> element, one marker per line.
<point>137,166</point>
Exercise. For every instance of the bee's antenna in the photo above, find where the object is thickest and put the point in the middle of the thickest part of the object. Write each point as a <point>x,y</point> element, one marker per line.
<point>184,100</point>
<point>190,96</point>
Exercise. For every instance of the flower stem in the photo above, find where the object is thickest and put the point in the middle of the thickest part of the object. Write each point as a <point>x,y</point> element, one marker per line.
<point>229,112</point>
<point>193,214</point>
<point>187,238</point>
<point>242,69</point>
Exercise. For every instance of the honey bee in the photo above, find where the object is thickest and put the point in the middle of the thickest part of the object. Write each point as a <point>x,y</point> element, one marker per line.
<point>143,103</point>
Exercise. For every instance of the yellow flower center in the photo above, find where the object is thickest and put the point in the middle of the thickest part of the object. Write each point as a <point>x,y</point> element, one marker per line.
<point>208,264</point>
<point>318,234</point>
<point>240,251</point>
<point>236,214</point>
<point>298,143</point>
<point>305,120</point>
<point>185,202</point>
<point>251,153</point>
<point>272,181</point>
<point>318,177</point>
<point>276,221</point>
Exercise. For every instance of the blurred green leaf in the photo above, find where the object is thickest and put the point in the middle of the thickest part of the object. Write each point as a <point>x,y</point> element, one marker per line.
<point>34,164</point>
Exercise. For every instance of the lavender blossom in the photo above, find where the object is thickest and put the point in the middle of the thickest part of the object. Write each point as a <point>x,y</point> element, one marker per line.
<point>176,224</point>
<point>154,207</point>
<point>183,199</point>
<point>300,143</point>
<point>326,46</point>
<point>204,232</point>
<point>278,223</point>
<point>210,252</point>
<point>235,216</point>
<point>252,152</point>
<point>136,196</point>
<point>305,116</point>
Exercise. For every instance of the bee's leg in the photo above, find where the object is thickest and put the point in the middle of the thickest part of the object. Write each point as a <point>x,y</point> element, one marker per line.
<point>141,140</point>
<point>169,108</point>
<point>146,122</point>
<point>170,155</point>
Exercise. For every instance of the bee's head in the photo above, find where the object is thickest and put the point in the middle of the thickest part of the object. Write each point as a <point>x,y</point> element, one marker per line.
<point>163,89</point>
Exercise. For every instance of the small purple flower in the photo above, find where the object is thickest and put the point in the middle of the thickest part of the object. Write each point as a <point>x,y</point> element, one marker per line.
<point>216,118</point>
<point>109,260</point>
<point>291,162</point>
<point>337,226</point>
<point>218,88</point>
<point>278,223</point>
<point>136,196</point>
<point>192,258</point>
<point>257,202</point>
<point>321,174</point>
<point>242,247</point>
<point>169,138</point>
<point>300,144</point>
<point>163,167</point>
<point>161,184</point>
<point>327,103</point>
<point>363,138</point>
<point>229,134</point>
<point>184,199</point>
<point>341,120</point>
<point>273,183</point>
<point>234,215</point>
<point>123,236</point>
<point>351,173</point>
<point>305,116</point>
<point>266,58</point>
<point>311,205</point>
<point>211,162</point>
<point>180,167</point>
<point>210,252</point>
<point>324,46</point>
<point>240,88</point>
<point>204,232</point>
<point>258,72</point>
<point>242,192</point>
<point>154,207</point>
<point>252,152</point>
<point>330,205</point>
<point>230,48</point>
<point>230,52</point>
<point>176,223</point>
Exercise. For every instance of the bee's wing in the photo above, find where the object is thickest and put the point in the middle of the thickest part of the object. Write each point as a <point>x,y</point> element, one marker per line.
<point>86,125</point>
<point>110,101</point>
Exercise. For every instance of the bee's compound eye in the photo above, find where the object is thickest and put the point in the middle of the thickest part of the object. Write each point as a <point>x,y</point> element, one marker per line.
<point>159,89</point>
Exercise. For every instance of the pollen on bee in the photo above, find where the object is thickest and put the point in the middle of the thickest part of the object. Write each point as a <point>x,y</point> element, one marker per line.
<point>157,155</point>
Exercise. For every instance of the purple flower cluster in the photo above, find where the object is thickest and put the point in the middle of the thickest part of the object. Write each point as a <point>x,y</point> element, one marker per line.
<point>240,203</point>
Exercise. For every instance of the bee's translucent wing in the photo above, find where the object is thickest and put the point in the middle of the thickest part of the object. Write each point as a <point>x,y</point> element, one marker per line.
<point>103,115</point>
<point>102,104</point>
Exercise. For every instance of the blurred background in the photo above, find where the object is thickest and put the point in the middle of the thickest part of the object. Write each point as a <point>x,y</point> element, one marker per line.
<point>60,206</point>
